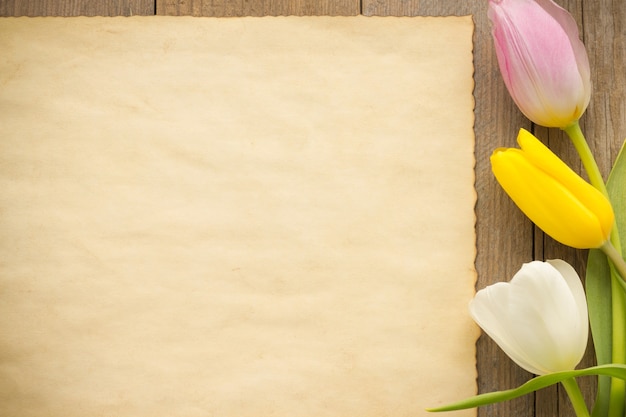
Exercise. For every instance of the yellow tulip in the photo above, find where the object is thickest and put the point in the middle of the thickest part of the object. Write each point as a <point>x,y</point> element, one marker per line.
<point>554,197</point>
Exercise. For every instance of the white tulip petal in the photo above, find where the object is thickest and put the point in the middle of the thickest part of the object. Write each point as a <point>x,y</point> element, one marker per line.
<point>490,310</point>
<point>539,318</point>
<point>576,287</point>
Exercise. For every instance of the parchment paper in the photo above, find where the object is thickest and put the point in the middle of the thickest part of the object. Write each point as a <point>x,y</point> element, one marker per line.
<point>235,217</point>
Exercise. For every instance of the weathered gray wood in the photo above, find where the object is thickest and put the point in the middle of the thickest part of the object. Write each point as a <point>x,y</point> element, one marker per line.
<point>505,239</point>
<point>504,236</point>
<point>258,7</point>
<point>76,8</point>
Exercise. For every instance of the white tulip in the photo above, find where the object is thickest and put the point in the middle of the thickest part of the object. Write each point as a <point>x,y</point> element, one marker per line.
<point>539,318</point>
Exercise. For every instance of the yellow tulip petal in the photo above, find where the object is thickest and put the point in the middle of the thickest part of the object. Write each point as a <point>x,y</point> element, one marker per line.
<point>550,205</point>
<point>544,159</point>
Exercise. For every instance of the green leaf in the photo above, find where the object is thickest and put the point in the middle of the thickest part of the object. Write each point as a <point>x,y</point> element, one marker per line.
<point>598,289</point>
<point>537,383</point>
<point>598,283</point>
<point>616,187</point>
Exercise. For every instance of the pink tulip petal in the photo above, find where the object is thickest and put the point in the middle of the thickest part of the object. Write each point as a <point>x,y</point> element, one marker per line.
<point>543,63</point>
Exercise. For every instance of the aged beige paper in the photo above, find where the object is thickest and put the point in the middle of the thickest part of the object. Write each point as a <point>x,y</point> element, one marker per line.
<point>241,217</point>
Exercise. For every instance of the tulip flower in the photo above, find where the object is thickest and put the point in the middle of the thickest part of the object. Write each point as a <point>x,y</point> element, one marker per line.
<point>554,197</point>
<point>543,62</point>
<point>539,318</point>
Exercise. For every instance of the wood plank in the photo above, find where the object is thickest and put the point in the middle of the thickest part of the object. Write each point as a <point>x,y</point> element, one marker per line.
<point>257,7</point>
<point>505,239</point>
<point>605,119</point>
<point>76,8</point>
<point>504,236</point>
<point>547,402</point>
<point>419,7</point>
<point>604,124</point>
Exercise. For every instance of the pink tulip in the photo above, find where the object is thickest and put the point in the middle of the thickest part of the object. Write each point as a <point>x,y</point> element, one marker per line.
<point>543,62</point>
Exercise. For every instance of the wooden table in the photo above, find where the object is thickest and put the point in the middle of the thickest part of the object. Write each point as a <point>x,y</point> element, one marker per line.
<point>505,239</point>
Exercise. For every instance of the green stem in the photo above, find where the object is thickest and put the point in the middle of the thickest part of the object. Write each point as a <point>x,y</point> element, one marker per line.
<point>582,147</point>
<point>593,172</point>
<point>618,306</point>
<point>616,259</point>
<point>618,346</point>
<point>576,397</point>
<point>618,301</point>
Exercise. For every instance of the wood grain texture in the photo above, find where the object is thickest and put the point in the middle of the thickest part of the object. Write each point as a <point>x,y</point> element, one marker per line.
<point>505,239</point>
<point>76,8</point>
<point>258,7</point>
